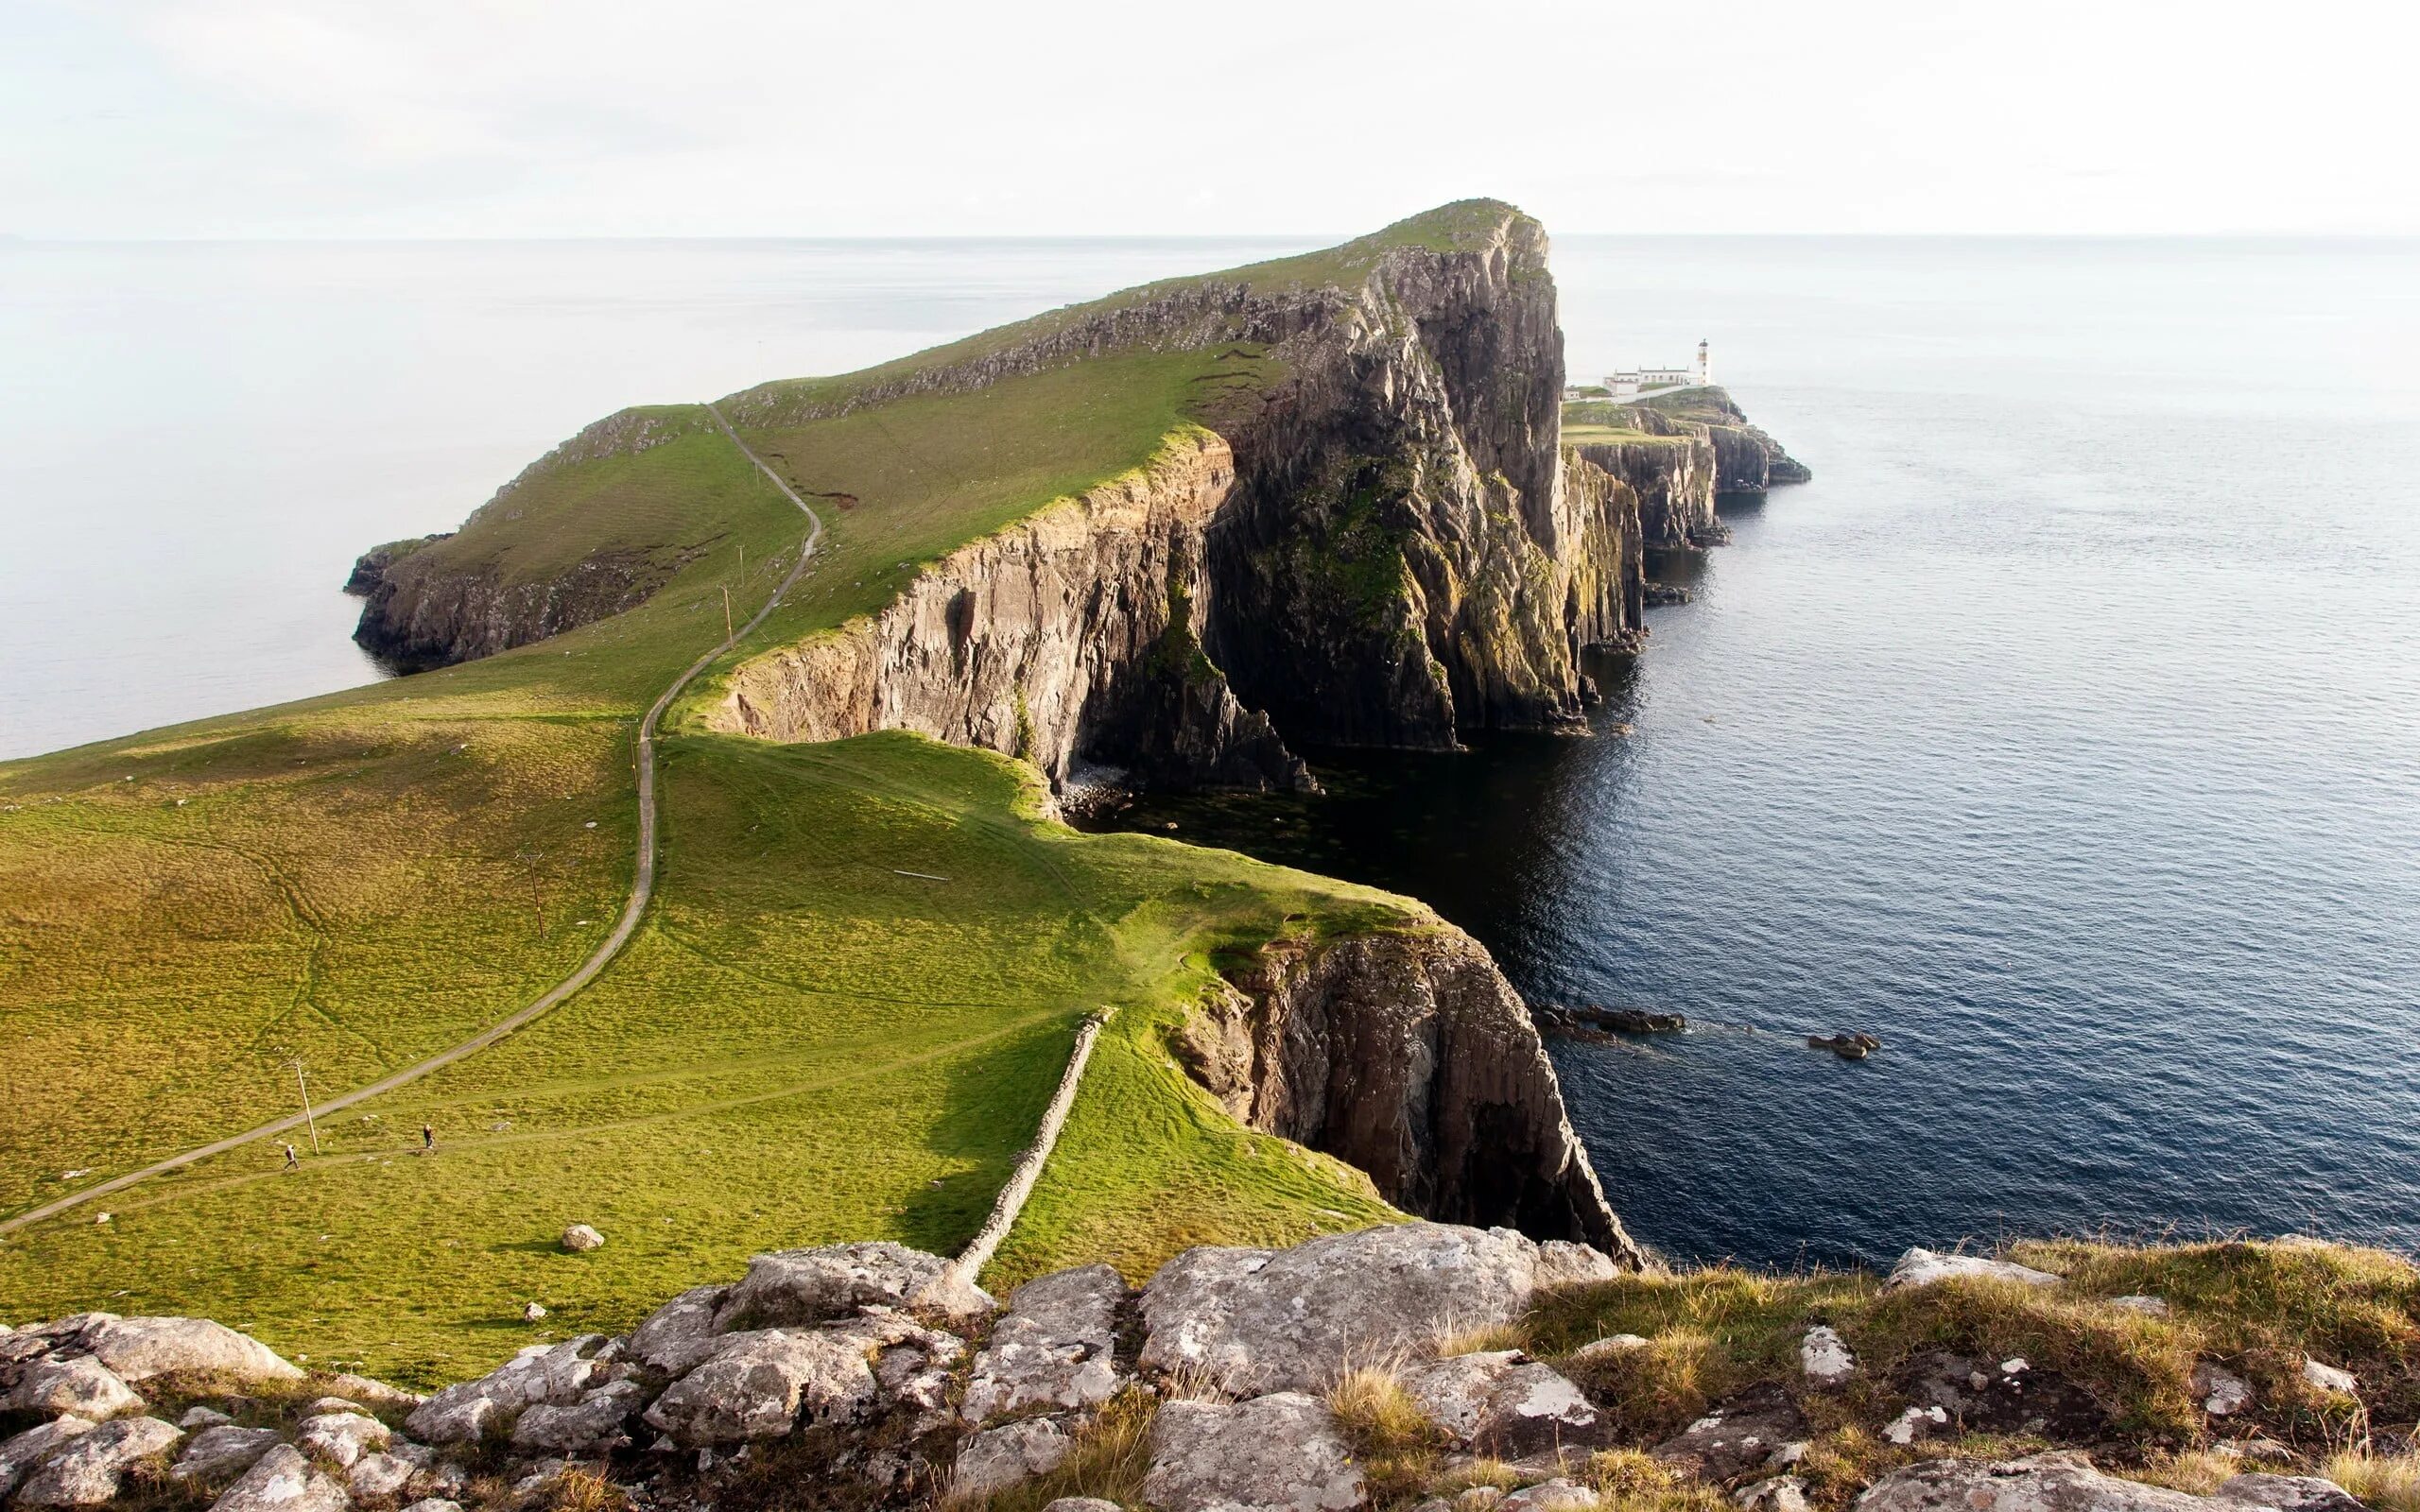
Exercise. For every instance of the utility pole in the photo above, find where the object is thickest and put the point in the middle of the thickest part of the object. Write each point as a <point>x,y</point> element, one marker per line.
<point>727,632</point>
<point>304,1088</point>
<point>537,887</point>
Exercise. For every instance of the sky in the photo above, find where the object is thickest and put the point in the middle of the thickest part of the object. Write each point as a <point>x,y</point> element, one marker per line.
<point>516,118</point>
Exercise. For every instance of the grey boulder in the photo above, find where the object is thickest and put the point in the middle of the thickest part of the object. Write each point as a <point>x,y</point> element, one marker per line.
<point>83,1387</point>
<point>764,1383</point>
<point>2063,1481</point>
<point>791,1287</point>
<point>379,1475</point>
<point>137,1348</point>
<point>681,1333</point>
<point>1274,1454</point>
<point>1736,1435</point>
<point>2288,1494</point>
<point>1259,1320</point>
<point>1557,1495</point>
<point>341,1436</point>
<point>594,1424</point>
<point>21,1456</point>
<point>1055,1347</point>
<point>284,1481</point>
<point>1823,1357</point>
<point>1503,1404</point>
<point>998,1458</point>
<point>221,1452</point>
<point>542,1373</point>
<point>1924,1267</point>
<point>92,1468</point>
<point>372,1394</point>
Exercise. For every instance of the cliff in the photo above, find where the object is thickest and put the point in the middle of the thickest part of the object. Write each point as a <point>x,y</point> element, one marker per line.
<point>553,550</point>
<point>1077,627</point>
<point>1410,1057</point>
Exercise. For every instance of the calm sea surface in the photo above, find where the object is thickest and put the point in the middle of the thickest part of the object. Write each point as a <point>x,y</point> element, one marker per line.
<point>2065,732</point>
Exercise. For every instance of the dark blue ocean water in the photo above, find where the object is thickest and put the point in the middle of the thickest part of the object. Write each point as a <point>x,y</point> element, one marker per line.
<point>2065,732</point>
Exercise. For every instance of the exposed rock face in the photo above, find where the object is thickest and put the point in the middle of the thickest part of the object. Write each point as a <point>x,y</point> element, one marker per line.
<point>138,1348</point>
<point>1673,476</point>
<point>1274,1454</point>
<point>1055,1347</point>
<point>1258,1320</point>
<point>1920,1267</point>
<point>284,1481</point>
<point>430,607</point>
<point>2067,1483</point>
<point>1410,1057</point>
<point>1075,632</point>
<point>89,1470</point>
<point>1503,1404</point>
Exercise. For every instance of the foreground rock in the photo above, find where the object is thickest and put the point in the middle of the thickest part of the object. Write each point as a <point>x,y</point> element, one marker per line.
<point>21,1455</point>
<point>796,1286</point>
<point>138,1348</point>
<point>998,1458</point>
<point>1503,1404</point>
<point>764,1384</point>
<point>1056,1347</point>
<point>1924,1267</point>
<point>221,1452</point>
<point>541,1374</point>
<point>1734,1437</point>
<point>90,1467</point>
<point>1259,1320</point>
<point>1274,1454</point>
<point>284,1481</point>
<point>2067,1481</point>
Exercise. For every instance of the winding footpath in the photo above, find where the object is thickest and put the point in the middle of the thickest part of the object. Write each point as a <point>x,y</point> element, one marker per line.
<point>642,888</point>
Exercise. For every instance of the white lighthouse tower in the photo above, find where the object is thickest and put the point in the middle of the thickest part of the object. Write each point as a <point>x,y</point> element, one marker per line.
<point>1705,363</point>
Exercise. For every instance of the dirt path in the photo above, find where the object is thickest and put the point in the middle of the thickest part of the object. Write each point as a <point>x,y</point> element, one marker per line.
<point>642,888</point>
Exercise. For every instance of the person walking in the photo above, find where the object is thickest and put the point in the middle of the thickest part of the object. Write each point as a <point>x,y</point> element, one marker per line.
<point>293,1162</point>
<point>427,1140</point>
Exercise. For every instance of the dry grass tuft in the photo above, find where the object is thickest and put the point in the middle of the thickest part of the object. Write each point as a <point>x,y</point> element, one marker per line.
<point>1113,1453</point>
<point>585,1491</point>
<point>1399,1450</point>
<point>2389,1483</point>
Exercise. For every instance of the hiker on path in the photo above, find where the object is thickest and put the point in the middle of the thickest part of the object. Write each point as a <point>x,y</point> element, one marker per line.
<point>293,1162</point>
<point>427,1140</point>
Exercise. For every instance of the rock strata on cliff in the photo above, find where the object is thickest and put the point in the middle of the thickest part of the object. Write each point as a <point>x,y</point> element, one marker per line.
<point>1076,631</point>
<point>1410,1057</point>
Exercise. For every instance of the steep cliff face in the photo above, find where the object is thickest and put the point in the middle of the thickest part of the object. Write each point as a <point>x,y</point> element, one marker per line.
<point>1073,633</point>
<point>1397,562</point>
<point>1673,474</point>
<point>458,597</point>
<point>1410,1057</point>
<point>1746,460</point>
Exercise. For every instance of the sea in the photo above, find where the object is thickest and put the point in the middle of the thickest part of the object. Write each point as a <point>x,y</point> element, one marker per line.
<point>2062,734</point>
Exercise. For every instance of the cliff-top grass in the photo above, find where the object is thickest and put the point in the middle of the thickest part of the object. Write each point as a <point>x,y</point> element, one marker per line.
<point>808,1040</point>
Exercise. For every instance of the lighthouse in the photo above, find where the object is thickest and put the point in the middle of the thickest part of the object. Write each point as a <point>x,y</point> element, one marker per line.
<point>1705,363</point>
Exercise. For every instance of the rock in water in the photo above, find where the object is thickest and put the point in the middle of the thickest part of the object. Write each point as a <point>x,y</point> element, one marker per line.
<point>1258,1320</point>
<point>1923,1267</point>
<point>1273,1453</point>
<point>284,1481</point>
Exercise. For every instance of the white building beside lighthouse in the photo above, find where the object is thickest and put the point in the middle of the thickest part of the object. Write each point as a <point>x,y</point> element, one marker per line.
<point>1628,382</point>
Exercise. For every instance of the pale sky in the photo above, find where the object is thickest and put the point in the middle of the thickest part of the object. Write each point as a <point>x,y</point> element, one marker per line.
<point>140,118</point>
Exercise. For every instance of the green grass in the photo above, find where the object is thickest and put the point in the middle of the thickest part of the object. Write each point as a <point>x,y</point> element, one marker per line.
<point>802,1045</point>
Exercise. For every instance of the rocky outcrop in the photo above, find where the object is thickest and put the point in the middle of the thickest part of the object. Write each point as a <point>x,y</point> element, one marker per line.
<point>2066,1482</point>
<point>1410,1057</point>
<point>1075,633</point>
<point>1673,474</point>
<point>447,598</point>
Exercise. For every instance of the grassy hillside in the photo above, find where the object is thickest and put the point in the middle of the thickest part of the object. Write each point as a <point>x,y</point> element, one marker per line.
<point>801,1043</point>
